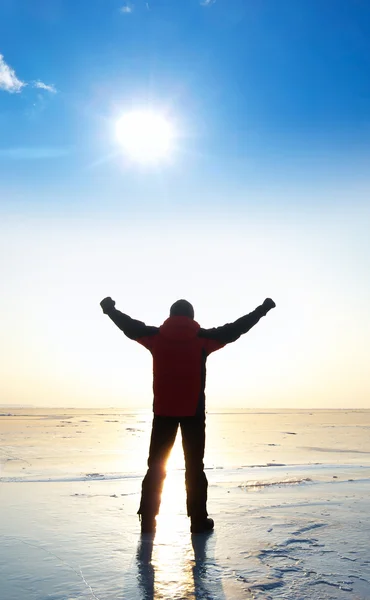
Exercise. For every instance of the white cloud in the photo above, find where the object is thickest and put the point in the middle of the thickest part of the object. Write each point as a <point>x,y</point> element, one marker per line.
<point>44,86</point>
<point>207,2</point>
<point>9,82</point>
<point>127,9</point>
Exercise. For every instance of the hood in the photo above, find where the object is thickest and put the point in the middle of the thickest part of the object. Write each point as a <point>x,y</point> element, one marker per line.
<point>179,328</point>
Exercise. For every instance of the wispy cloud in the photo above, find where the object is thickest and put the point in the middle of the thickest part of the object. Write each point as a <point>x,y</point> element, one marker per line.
<point>33,153</point>
<point>126,9</point>
<point>44,86</point>
<point>9,82</point>
<point>207,2</point>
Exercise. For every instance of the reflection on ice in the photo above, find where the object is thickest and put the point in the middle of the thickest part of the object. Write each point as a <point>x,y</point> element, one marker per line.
<point>176,570</point>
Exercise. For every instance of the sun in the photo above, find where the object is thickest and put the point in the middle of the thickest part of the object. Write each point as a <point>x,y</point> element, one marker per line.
<point>145,136</point>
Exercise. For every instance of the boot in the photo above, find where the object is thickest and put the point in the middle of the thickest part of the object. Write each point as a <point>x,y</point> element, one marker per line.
<point>202,525</point>
<point>148,524</point>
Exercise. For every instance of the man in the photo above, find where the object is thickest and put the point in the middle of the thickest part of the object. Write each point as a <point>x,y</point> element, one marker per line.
<point>180,348</point>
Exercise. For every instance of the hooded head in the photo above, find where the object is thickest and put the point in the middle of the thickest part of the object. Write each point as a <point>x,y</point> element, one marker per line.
<point>182,308</point>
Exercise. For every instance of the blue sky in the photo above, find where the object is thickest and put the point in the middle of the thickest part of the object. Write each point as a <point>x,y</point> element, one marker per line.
<point>269,181</point>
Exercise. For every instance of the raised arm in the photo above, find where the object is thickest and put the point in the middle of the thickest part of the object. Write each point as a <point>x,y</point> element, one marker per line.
<point>232,331</point>
<point>133,329</point>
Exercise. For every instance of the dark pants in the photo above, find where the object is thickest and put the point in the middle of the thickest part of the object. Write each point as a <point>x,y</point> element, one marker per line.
<point>163,437</point>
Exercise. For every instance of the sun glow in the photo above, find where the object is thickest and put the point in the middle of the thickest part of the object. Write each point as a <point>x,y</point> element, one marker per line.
<point>173,505</point>
<point>145,136</point>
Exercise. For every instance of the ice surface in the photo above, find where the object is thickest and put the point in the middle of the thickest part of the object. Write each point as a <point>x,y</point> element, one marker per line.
<point>291,517</point>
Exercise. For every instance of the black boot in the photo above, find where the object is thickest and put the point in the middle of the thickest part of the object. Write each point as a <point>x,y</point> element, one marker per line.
<point>148,524</point>
<point>202,525</point>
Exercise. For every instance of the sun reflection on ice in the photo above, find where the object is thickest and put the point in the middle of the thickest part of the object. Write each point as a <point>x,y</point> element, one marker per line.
<point>170,556</point>
<point>172,564</point>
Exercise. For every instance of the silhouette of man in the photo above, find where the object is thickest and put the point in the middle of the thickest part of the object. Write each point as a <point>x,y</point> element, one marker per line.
<point>180,348</point>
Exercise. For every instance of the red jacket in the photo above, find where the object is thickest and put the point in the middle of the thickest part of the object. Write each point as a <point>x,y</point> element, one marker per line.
<point>180,348</point>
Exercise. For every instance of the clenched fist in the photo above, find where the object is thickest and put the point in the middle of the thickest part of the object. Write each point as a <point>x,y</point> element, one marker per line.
<point>107,304</point>
<point>268,304</point>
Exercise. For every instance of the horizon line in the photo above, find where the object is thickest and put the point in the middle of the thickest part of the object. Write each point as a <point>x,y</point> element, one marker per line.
<point>133,409</point>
